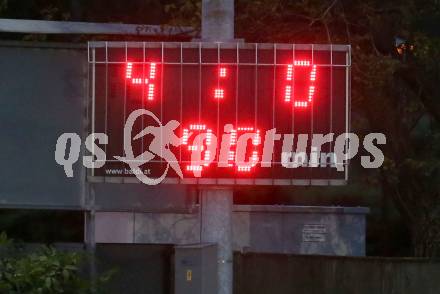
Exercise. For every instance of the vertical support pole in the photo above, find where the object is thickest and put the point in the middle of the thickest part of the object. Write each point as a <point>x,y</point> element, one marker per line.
<point>216,204</point>
<point>216,227</point>
<point>217,20</point>
<point>89,191</point>
<point>89,233</point>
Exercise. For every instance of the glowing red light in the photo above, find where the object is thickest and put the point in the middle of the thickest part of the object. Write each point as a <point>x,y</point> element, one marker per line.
<point>231,157</point>
<point>289,72</point>
<point>301,104</point>
<point>128,70</point>
<point>208,137</point>
<point>253,162</point>
<point>257,138</point>
<point>290,78</point>
<point>202,146</point>
<point>185,136</point>
<point>244,168</point>
<point>313,73</point>
<point>194,168</point>
<point>219,93</point>
<point>288,93</point>
<point>301,63</point>
<point>195,148</point>
<point>245,128</point>
<point>256,141</point>
<point>140,81</point>
<point>207,157</point>
<point>197,127</point>
<point>150,91</point>
<point>233,137</point>
<point>222,72</point>
<point>152,70</point>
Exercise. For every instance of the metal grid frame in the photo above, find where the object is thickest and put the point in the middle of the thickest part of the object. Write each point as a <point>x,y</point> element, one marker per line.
<point>219,46</point>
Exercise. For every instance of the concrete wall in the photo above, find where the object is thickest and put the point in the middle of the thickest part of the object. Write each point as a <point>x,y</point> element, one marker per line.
<point>274,229</point>
<point>42,94</point>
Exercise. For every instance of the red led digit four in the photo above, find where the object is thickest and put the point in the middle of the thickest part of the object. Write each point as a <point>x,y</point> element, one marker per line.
<point>143,81</point>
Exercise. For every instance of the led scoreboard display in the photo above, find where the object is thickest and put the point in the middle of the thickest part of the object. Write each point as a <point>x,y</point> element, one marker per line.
<point>269,98</point>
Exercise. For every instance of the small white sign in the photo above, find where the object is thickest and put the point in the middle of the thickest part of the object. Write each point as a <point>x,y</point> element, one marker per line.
<point>314,233</point>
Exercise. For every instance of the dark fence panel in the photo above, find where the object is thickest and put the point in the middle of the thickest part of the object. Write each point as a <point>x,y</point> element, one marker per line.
<point>140,268</point>
<point>280,273</point>
<point>148,269</point>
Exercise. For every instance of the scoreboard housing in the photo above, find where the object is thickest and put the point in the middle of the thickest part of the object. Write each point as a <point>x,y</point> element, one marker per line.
<point>295,88</point>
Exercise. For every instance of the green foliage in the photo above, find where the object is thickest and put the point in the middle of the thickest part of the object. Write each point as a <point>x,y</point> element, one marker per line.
<point>42,225</point>
<point>3,5</point>
<point>4,241</point>
<point>186,13</point>
<point>45,270</point>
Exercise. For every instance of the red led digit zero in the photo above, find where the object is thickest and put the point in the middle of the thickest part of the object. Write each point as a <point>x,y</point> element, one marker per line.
<point>289,89</point>
<point>148,82</point>
<point>253,159</point>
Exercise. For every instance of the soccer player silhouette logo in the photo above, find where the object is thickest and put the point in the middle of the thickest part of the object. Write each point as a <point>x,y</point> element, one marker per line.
<point>164,136</point>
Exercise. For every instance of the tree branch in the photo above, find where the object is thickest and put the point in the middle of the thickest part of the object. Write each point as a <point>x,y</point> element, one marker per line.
<point>323,15</point>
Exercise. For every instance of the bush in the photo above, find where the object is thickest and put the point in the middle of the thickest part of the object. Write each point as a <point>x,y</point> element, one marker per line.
<point>45,270</point>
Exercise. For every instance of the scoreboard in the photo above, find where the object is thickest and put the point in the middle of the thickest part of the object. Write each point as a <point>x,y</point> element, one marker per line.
<point>211,89</point>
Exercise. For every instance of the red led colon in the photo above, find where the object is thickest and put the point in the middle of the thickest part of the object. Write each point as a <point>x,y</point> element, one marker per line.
<point>219,92</point>
<point>140,81</point>
<point>289,93</point>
